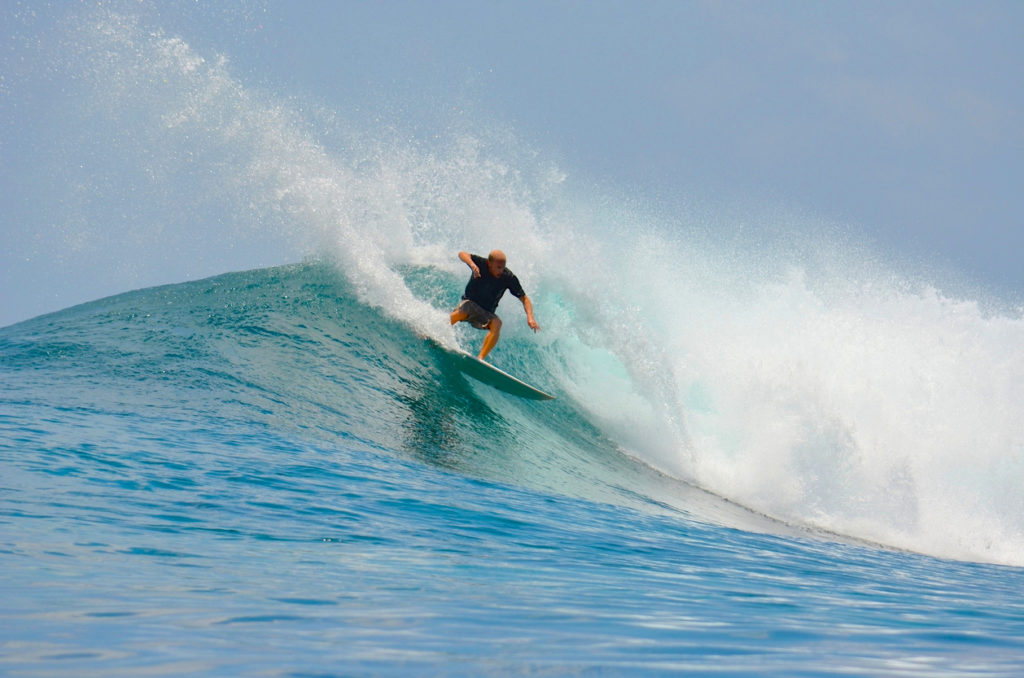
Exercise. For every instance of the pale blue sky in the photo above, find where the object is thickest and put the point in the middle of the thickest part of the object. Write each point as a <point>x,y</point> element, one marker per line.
<point>901,120</point>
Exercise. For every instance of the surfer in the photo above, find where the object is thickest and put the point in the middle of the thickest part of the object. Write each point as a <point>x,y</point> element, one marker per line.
<point>483,292</point>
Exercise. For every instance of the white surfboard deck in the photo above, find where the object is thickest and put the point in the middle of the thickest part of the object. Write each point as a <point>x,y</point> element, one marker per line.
<point>489,374</point>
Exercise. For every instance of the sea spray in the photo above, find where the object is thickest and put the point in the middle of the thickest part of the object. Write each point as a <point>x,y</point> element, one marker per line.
<point>864,407</point>
<point>797,381</point>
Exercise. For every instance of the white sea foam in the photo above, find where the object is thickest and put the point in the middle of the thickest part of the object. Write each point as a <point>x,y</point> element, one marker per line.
<point>806,383</point>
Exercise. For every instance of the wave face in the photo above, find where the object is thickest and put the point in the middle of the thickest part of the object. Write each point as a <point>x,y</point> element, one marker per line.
<point>289,351</point>
<point>292,351</point>
<point>798,377</point>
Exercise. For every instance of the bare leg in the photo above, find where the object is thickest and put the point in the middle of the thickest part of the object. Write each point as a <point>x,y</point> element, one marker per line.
<point>458,316</point>
<point>494,331</point>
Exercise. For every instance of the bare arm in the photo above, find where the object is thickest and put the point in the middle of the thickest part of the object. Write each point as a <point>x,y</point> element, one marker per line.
<point>465,258</point>
<point>528,307</point>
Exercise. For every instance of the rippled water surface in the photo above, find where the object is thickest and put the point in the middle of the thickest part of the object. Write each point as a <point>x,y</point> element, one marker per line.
<point>245,492</point>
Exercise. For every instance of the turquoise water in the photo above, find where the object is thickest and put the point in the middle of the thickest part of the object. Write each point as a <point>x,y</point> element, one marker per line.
<point>257,474</point>
<point>773,449</point>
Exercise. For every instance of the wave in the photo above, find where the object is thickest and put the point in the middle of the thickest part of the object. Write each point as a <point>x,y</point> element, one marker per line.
<point>798,377</point>
<point>292,352</point>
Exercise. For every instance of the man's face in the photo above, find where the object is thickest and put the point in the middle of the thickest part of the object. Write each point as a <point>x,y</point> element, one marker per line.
<point>496,267</point>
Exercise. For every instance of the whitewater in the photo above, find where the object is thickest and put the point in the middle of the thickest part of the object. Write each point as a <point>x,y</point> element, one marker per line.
<point>793,456</point>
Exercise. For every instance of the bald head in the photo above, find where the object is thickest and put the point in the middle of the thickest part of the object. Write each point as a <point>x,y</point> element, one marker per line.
<point>496,263</point>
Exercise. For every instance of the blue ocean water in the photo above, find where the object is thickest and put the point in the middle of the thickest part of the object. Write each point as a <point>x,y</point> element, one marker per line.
<point>792,457</point>
<point>256,474</point>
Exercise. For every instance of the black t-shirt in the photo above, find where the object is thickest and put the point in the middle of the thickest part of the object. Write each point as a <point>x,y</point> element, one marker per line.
<point>487,290</point>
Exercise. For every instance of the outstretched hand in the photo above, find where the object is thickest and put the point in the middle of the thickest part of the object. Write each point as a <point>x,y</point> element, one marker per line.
<point>533,324</point>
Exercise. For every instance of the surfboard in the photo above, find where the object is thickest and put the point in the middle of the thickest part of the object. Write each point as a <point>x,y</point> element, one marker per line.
<point>488,374</point>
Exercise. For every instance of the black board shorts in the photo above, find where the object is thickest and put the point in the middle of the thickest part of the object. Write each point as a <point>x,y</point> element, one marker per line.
<point>479,317</point>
